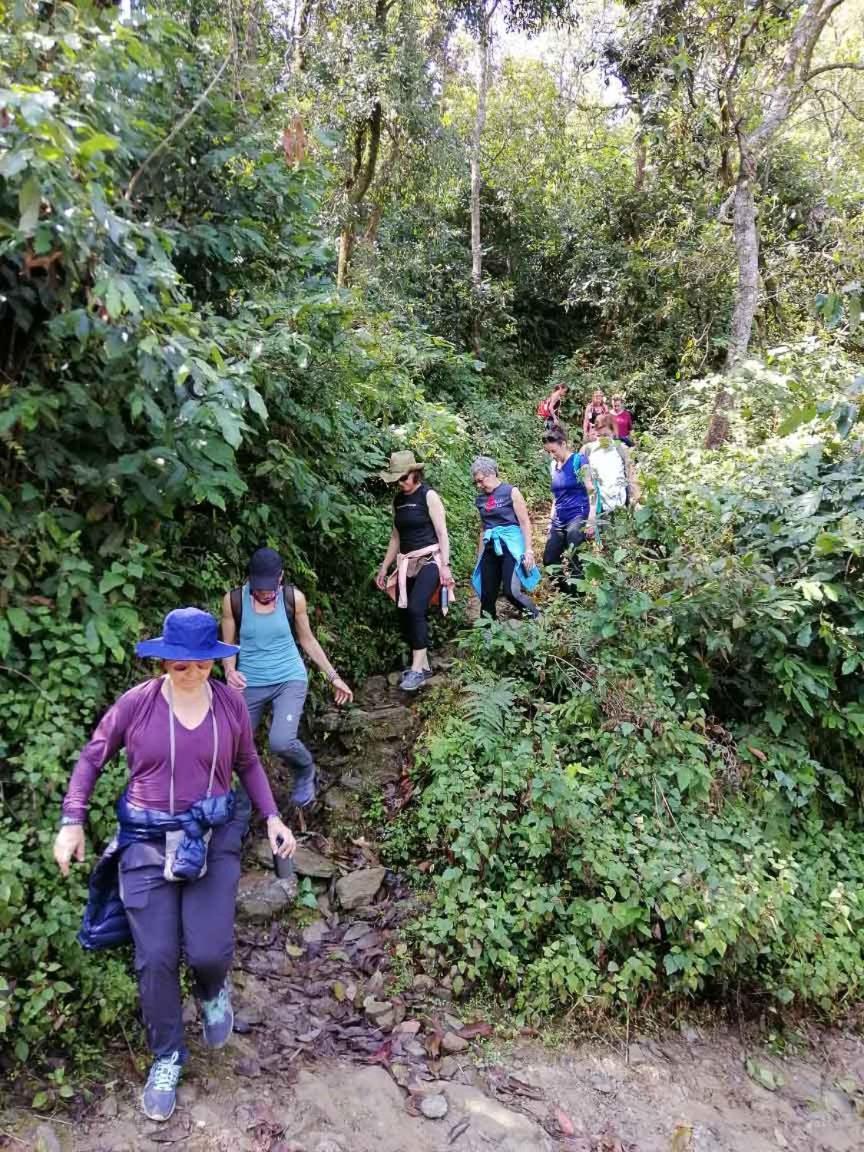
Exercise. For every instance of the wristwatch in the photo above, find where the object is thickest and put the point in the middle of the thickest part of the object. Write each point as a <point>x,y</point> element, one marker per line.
<point>69,821</point>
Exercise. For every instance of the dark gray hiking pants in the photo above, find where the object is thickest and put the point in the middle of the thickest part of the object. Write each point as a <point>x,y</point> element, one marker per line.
<point>287,701</point>
<point>169,919</point>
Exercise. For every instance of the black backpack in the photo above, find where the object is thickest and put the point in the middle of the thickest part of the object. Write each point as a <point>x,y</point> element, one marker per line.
<point>236,595</point>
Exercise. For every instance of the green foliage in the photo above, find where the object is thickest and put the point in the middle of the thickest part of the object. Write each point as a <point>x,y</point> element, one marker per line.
<point>181,383</point>
<point>660,784</point>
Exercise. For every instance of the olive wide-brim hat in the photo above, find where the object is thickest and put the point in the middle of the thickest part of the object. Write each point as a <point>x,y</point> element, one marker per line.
<point>401,463</point>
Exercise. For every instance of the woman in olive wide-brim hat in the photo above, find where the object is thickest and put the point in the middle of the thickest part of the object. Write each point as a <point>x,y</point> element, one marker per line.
<point>420,547</point>
<point>169,877</point>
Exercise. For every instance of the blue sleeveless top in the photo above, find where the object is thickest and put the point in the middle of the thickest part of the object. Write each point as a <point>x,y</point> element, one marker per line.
<point>268,651</point>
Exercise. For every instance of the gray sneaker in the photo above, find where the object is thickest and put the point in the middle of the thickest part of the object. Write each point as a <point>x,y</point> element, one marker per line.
<point>411,681</point>
<point>217,1018</point>
<point>160,1091</point>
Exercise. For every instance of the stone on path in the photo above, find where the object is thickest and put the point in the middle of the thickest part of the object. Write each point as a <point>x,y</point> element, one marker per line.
<point>380,1012</point>
<point>433,1107</point>
<point>496,1125</point>
<point>358,888</point>
<point>315,932</point>
<point>261,895</point>
<point>310,863</point>
<point>452,1043</point>
<point>46,1139</point>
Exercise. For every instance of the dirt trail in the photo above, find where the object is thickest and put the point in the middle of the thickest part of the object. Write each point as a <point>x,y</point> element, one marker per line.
<point>340,1048</point>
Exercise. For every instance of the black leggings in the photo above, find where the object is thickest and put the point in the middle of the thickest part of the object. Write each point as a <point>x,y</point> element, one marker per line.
<point>413,619</point>
<point>495,571</point>
<point>561,537</point>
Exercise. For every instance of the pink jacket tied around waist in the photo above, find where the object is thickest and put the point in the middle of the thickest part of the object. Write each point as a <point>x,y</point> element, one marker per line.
<point>408,564</point>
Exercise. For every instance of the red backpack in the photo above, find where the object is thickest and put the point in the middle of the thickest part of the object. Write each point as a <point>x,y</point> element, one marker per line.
<point>543,409</point>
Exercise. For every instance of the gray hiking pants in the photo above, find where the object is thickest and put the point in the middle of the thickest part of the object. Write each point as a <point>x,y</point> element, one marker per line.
<point>287,701</point>
<point>170,918</point>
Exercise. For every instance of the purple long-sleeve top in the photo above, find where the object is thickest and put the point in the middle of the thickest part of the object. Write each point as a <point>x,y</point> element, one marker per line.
<point>138,722</point>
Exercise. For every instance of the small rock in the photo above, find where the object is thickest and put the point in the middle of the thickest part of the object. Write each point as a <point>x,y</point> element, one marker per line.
<point>401,1073</point>
<point>357,932</point>
<point>261,896</point>
<point>602,1085</point>
<point>452,1043</point>
<point>323,902</point>
<point>46,1139</point>
<point>408,1027</point>
<point>453,1022</point>
<point>691,1035</point>
<point>359,887</point>
<point>315,932</point>
<point>108,1109</point>
<point>414,1048</point>
<point>420,1087</point>
<point>638,1055</point>
<point>782,1142</point>
<point>433,1107</point>
<point>443,993</point>
<point>423,983</point>
<point>448,1068</point>
<point>375,982</point>
<point>249,1068</point>
<point>309,863</point>
<point>380,1012</point>
<point>263,853</point>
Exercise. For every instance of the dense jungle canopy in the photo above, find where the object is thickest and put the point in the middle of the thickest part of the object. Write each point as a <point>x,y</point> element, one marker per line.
<point>249,248</point>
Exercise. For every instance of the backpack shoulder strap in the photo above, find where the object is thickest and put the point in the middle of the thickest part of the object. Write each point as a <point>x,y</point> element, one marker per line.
<point>288,597</point>
<point>236,595</point>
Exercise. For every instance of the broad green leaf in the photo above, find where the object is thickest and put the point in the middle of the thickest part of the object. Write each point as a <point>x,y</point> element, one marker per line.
<point>29,201</point>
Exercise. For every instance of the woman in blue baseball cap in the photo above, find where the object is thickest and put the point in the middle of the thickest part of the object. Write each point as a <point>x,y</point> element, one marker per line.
<point>176,857</point>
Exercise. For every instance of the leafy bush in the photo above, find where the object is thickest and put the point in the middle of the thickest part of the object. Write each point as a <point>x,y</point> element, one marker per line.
<point>658,787</point>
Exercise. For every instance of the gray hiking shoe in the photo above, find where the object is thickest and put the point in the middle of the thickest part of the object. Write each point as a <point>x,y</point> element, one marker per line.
<point>217,1018</point>
<point>160,1091</point>
<point>411,681</point>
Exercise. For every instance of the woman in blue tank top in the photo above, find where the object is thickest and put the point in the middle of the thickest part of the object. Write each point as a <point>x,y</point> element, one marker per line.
<point>573,510</point>
<point>269,670</point>
<point>504,556</point>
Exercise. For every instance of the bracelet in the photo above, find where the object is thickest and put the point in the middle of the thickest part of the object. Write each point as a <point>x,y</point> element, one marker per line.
<point>333,675</point>
<point>71,821</point>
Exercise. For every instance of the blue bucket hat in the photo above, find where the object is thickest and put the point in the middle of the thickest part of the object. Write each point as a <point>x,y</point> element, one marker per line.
<point>187,634</point>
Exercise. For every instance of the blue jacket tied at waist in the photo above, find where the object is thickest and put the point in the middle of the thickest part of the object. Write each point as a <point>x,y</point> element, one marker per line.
<point>105,924</point>
<point>507,536</point>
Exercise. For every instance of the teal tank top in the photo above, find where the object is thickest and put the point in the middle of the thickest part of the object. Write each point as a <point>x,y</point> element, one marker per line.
<point>268,650</point>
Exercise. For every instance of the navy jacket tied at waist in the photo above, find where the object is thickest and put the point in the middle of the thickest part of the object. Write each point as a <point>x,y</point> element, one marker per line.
<point>105,924</point>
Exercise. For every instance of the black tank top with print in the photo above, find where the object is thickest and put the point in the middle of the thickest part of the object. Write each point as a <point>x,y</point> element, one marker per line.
<point>412,520</point>
<point>496,507</point>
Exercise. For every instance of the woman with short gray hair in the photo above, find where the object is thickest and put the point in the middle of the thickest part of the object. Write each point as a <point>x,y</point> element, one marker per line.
<point>504,554</point>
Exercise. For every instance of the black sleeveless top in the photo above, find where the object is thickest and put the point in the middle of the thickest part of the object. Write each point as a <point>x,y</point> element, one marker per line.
<point>496,508</point>
<point>412,519</point>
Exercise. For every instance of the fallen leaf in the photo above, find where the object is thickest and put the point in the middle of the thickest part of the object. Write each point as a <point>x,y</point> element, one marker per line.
<point>565,1123</point>
<point>682,1139</point>
<point>478,1028</point>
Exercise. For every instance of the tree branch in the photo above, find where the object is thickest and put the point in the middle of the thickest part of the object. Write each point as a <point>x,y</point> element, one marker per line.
<point>178,127</point>
<point>846,65</point>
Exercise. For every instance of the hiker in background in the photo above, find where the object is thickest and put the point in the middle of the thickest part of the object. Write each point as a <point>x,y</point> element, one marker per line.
<point>594,409</point>
<point>268,618</point>
<point>573,516</point>
<point>623,420</point>
<point>611,467</point>
<point>549,409</point>
<point>504,555</point>
<point>420,547</point>
<point>169,877</point>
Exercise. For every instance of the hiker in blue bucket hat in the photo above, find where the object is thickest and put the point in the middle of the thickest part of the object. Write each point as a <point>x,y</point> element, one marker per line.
<point>168,880</point>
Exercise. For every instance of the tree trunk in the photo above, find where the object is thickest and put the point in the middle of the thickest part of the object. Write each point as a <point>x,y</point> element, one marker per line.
<point>476,144</point>
<point>346,249</point>
<point>641,162</point>
<point>746,237</point>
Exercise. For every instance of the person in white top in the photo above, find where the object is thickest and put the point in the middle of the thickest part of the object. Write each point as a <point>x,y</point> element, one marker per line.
<point>611,466</point>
